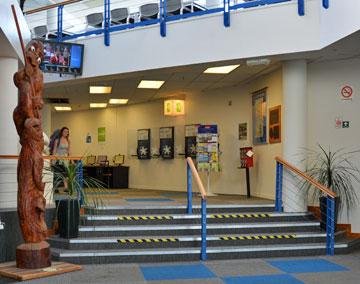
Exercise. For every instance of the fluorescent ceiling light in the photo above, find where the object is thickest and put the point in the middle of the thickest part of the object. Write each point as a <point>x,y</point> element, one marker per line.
<point>100,90</point>
<point>98,105</point>
<point>62,108</point>
<point>148,84</point>
<point>118,101</point>
<point>259,61</point>
<point>221,69</point>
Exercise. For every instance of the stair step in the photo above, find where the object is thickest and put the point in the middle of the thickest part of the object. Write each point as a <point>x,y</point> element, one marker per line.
<point>182,254</point>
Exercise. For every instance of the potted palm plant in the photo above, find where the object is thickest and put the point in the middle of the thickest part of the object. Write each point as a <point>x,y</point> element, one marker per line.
<point>337,171</point>
<point>71,190</point>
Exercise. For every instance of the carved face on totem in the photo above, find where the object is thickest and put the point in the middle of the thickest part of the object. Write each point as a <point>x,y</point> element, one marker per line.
<point>35,53</point>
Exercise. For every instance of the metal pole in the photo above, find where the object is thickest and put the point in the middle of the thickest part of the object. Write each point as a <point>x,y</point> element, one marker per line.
<point>226,13</point>
<point>279,176</point>
<point>203,229</point>
<point>301,7</point>
<point>163,18</point>
<point>189,189</point>
<point>326,4</point>
<point>330,226</point>
<point>248,182</point>
<point>80,176</point>
<point>107,22</point>
<point>60,23</point>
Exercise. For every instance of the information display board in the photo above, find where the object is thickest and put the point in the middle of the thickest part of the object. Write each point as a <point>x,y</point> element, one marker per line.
<point>191,132</point>
<point>166,135</point>
<point>143,144</point>
<point>207,148</point>
<point>246,157</point>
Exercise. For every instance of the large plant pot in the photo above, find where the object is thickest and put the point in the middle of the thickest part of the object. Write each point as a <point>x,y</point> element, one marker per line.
<point>323,211</point>
<point>68,218</point>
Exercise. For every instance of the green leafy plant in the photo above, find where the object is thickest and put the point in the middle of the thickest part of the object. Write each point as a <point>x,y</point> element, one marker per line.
<point>335,170</point>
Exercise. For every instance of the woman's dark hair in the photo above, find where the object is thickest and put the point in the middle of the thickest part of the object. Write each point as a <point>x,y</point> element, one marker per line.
<point>61,132</point>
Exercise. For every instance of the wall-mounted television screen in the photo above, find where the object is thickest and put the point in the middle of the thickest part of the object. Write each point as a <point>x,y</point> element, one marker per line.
<point>63,58</point>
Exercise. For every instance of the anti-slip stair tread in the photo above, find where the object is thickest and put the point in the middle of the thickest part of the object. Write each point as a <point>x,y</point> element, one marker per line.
<point>185,250</point>
<point>270,205</point>
<point>196,226</point>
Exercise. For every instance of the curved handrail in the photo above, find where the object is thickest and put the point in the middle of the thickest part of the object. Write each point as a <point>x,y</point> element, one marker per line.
<point>48,7</point>
<point>16,157</point>
<point>306,177</point>
<point>197,177</point>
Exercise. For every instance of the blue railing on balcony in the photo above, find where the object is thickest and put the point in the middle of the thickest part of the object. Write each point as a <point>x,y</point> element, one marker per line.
<point>330,199</point>
<point>191,170</point>
<point>194,10</point>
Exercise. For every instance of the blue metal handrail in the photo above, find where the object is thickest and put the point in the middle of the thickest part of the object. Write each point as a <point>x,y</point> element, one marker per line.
<point>164,18</point>
<point>330,209</point>
<point>191,170</point>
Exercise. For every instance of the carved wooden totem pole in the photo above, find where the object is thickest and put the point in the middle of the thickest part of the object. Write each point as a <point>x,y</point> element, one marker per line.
<point>35,253</point>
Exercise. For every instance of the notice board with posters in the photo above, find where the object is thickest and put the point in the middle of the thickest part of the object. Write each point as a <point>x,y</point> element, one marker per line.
<point>207,156</point>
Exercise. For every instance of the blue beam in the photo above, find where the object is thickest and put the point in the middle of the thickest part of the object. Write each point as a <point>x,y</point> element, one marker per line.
<point>227,13</point>
<point>107,22</point>
<point>60,23</point>
<point>301,7</point>
<point>326,4</point>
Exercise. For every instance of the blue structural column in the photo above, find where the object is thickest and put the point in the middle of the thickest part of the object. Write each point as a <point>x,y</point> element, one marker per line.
<point>107,22</point>
<point>203,229</point>
<point>60,23</point>
<point>189,189</point>
<point>326,4</point>
<point>279,178</point>
<point>301,7</point>
<point>227,13</point>
<point>330,226</point>
<point>163,18</point>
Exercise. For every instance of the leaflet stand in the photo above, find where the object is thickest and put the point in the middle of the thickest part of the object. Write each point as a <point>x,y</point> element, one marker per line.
<point>246,162</point>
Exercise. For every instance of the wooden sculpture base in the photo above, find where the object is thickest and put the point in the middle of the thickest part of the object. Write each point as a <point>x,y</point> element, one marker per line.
<point>33,255</point>
<point>10,270</point>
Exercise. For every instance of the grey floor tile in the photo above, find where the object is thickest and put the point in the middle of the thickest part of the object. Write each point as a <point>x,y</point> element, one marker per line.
<point>189,281</point>
<point>329,277</point>
<point>350,261</point>
<point>241,267</point>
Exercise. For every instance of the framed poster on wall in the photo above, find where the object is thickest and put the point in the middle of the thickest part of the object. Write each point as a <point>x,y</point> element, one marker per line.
<point>275,124</point>
<point>166,135</point>
<point>259,116</point>
<point>143,144</point>
<point>191,132</point>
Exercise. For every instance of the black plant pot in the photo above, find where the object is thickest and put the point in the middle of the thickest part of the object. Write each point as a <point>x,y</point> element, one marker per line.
<point>68,218</point>
<point>323,211</point>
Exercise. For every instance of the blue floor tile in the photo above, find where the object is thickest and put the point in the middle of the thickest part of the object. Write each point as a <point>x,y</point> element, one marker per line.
<point>262,279</point>
<point>149,200</point>
<point>176,272</point>
<point>306,265</point>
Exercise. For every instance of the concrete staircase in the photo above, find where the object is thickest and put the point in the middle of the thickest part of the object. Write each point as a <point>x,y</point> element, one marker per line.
<point>154,234</point>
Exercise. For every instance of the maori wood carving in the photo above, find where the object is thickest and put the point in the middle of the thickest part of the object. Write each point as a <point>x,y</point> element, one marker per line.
<point>27,118</point>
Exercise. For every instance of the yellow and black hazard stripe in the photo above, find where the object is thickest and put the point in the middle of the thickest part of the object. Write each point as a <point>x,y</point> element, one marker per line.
<point>256,237</point>
<point>140,241</point>
<point>225,216</point>
<point>137,218</point>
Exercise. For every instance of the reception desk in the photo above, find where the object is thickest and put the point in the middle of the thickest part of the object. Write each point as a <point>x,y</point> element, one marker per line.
<point>111,176</point>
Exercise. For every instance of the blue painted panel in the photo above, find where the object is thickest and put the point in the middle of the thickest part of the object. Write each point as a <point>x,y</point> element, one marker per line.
<point>263,279</point>
<point>306,265</point>
<point>149,200</point>
<point>176,272</point>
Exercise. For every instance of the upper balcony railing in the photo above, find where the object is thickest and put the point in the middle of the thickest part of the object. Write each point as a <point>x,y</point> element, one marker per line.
<point>74,19</point>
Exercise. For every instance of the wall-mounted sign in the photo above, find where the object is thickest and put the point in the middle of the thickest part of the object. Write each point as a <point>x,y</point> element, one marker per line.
<point>101,134</point>
<point>88,138</point>
<point>174,107</point>
<point>243,131</point>
<point>275,124</point>
<point>191,132</point>
<point>166,142</point>
<point>346,92</point>
<point>259,109</point>
<point>143,144</point>
<point>345,124</point>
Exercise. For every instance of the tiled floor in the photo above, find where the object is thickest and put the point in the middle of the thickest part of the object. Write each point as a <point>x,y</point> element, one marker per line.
<point>308,270</point>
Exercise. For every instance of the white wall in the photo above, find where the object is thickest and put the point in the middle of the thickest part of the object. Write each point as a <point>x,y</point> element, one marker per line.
<point>211,107</point>
<point>325,104</point>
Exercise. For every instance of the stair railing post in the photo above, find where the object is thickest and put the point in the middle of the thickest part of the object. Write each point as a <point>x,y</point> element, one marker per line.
<point>189,188</point>
<point>227,13</point>
<point>107,22</point>
<point>60,23</point>
<point>203,229</point>
<point>330,226</point>
<point>301,7</point>
<point>163,18</point>
<point>80,177</point>
<point>279,178</point>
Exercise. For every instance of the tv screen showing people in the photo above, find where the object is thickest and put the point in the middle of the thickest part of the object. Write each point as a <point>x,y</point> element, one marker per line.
<point>63,58</point>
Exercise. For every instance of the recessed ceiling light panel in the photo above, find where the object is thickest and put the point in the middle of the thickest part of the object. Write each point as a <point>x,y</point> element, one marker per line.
<point>221,69</point>
<point>100,89</point>
<point>118,101</point>
<point>62,108</point>
<point>149,84</point>
<point>98,105</point>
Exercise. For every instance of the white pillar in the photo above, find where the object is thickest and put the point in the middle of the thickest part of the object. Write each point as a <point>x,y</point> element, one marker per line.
<point>9,138</point>
<point>294,131</point>
<point>51,19</point>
